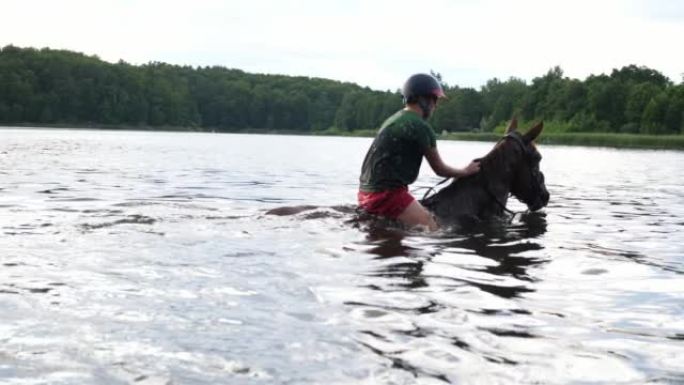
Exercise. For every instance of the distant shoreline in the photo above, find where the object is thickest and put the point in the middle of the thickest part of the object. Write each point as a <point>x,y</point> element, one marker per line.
<point>614,140</point>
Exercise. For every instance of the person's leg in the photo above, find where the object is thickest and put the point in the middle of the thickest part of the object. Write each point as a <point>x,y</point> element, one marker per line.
<point>415,214</point>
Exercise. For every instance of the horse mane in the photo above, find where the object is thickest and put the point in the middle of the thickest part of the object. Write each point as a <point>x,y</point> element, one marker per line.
<point>461,195</point>
<point>498,159</point>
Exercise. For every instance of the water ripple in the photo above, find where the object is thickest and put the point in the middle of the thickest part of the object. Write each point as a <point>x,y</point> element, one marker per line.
<point>160,262</point>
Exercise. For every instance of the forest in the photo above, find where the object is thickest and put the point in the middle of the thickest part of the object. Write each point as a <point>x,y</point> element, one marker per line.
<point>64,88</point>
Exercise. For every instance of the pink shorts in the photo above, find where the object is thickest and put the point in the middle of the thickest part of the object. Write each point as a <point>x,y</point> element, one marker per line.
<point>388,203</point>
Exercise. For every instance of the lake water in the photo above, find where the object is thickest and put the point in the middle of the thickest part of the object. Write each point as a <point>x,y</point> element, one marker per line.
<point>138,257</point>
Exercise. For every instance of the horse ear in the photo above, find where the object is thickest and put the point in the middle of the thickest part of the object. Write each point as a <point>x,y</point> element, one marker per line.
<point>512,126</point>
<point>533,132</point>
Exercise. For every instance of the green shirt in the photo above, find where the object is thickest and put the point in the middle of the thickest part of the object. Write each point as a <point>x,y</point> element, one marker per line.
<point>394,158</point>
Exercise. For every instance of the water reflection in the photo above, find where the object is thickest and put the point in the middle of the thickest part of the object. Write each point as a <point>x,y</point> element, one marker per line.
<point>501,241</point>
<point>452,276</point>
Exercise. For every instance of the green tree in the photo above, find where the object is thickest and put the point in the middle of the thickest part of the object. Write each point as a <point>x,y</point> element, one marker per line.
<point>502,100</point>
<point>461,111</point>
<point>57,86</point>
<point>607,101</point>
<point>345,117</point>
<point>653,118</point>
<point>638,98</point>
<point>639,74</point>
<point>674,114</point>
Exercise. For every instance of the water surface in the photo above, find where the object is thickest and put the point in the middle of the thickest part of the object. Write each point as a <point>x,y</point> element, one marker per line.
<point>138,257</point>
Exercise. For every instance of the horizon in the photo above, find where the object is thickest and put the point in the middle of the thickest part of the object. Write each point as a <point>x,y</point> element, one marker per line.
<point>527,81</point>
<point>373,44</point>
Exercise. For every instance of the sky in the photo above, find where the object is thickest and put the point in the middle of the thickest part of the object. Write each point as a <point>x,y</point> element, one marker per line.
<point>374,43</point>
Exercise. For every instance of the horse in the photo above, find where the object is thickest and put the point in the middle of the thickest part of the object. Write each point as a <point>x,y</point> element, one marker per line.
<point>511,167</point>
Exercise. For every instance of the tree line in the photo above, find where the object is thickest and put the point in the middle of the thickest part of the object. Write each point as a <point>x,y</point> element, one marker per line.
<point>49,86</point>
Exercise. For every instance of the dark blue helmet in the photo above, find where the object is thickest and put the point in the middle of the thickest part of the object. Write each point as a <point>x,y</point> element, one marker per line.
<point>421,85</point>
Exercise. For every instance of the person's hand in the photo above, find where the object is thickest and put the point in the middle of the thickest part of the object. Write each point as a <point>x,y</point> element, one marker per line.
<point>472,168</point>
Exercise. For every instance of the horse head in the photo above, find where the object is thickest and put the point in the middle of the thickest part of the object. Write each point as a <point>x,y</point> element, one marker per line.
<point>527,182</point>
<point>511,167</point>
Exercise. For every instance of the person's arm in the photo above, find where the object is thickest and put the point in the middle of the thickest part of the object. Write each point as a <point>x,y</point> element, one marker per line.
<point>442,169</point>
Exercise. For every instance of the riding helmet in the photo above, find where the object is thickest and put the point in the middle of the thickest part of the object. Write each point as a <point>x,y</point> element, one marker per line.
<point>421,85</point>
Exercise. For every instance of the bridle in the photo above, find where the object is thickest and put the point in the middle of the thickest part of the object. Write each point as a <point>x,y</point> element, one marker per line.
<point>528,158</point>
<point>516,137</point>
<point>491,194</point>
<point>535,174</point>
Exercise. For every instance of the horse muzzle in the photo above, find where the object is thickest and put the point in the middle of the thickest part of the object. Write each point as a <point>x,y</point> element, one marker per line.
<point>540,202</point>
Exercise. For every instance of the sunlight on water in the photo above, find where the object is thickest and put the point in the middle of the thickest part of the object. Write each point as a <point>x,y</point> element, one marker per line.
<point>132,257</point>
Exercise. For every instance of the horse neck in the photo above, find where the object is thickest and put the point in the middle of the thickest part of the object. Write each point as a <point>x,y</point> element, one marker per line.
<point>473,195</point>
<point>463,197</point>
<point>497,169</point>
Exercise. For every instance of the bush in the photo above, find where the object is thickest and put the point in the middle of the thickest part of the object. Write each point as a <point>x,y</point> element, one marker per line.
<point>630,128</point>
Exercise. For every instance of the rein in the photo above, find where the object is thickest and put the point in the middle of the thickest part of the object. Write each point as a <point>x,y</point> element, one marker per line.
<point>515,136</point>
<point>430,189</point>
<point>494,197</point>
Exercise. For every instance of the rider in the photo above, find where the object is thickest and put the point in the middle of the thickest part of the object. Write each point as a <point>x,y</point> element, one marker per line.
<point>393,160</point>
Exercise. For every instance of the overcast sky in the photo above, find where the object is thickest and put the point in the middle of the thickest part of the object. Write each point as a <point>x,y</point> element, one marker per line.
<point>372,43</point>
